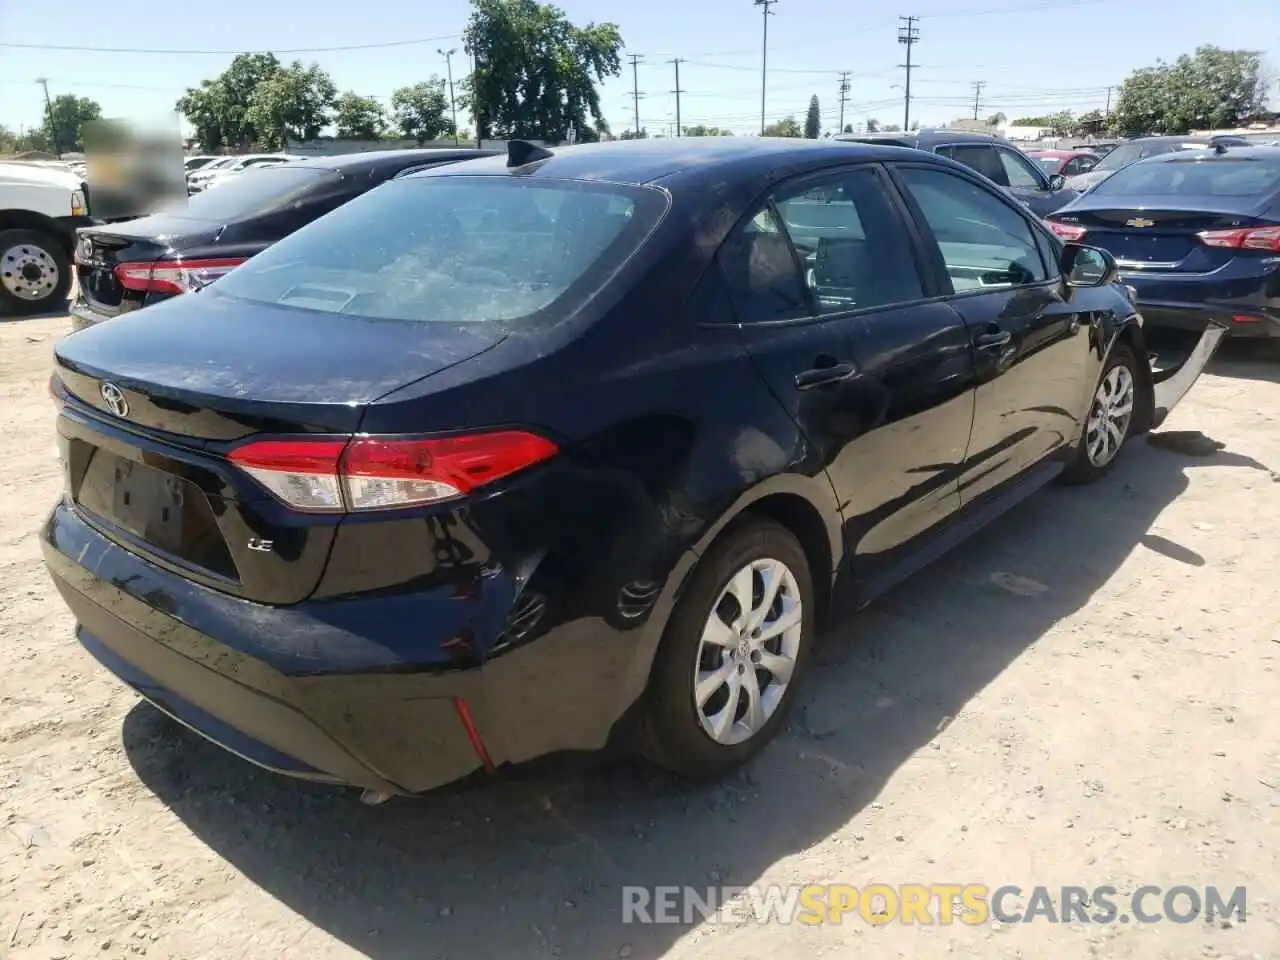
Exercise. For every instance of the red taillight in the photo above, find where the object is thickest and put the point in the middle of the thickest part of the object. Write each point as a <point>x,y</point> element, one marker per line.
<point>1245,238</point>
<point>1066,231</point>
<point>336,474</point>
<point>174,276</point>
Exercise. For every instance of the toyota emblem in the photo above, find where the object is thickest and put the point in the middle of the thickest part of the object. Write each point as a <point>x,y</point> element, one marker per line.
<point>113,397</point>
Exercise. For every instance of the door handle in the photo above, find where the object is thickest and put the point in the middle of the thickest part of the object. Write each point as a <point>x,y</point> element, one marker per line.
<point>825,375</point>
<point>992,340</point>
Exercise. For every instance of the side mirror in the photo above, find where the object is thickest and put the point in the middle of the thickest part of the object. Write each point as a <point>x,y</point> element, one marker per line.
<point>1057,181</point>
<point>1088,266</point>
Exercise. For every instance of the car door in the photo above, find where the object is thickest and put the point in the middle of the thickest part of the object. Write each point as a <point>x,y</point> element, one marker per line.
<point>834,300</point>
<point>1029,350</point>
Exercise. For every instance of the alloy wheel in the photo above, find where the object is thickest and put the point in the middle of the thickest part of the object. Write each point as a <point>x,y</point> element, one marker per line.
<point>747,654</point>
<point>1110,415</point>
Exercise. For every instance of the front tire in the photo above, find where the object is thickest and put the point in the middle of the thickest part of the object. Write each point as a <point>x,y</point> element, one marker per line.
<point>1110,419</point>
<point>730,661</point>
<point>35,273</point>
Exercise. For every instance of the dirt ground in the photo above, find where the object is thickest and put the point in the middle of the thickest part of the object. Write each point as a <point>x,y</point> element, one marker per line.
<point>1083,695</point>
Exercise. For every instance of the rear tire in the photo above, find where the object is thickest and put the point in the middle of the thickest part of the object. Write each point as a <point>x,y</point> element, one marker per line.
<point>35,273</point>
<point>1110,419</point>
<point>723,681</point>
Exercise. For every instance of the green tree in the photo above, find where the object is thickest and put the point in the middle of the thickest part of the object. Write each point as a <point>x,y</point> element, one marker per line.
<point>996,119</point>
<point>293,103</point>
<point>873,125</point>
<point>218,109</point>
<point>891,128</point>
<point>643,134</point>
<point>848,128</point>
<point>1062,124</point>
<point>358,118</point>
<point>813,119</point>
<point>421,112</point>
<point>701,131</point>
<point>1031,122</point>
<point>65,119</point>
<point>1209,89</point>
<point>783,128</point>
<point>536,74</point>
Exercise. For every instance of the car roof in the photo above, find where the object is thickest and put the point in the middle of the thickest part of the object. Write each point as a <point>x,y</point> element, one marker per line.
<point>672,160</point>
<point>1263,152</point>
<point>373,161</point>
<point>925,135</point>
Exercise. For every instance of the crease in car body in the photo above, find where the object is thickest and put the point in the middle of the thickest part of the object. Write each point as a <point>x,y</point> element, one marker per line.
<point>796,403</point>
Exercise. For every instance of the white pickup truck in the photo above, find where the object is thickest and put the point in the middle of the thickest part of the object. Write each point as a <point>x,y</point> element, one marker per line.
<point>40,209</point>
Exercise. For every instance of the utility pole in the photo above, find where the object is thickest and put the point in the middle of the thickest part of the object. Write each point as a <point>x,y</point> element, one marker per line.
<point>1108,111</point>
<point>453,103</point>
<point>908,36</point>
<point>844,95</point>
<point>635,89</point>
<point>677,91</point>
<point>977,96</point>
<point>766,13</point>
<point>48,114</point>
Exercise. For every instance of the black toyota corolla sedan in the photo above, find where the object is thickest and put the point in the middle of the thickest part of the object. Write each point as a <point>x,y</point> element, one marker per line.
<point>561,450</point>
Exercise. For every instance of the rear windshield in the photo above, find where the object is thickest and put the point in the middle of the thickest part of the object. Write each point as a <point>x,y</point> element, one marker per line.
<point>455,250</point>
<point>258,190</point>
<point>1196,177</point>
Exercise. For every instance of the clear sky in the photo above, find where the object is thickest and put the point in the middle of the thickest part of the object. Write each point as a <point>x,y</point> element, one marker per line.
<point>1035,56</point>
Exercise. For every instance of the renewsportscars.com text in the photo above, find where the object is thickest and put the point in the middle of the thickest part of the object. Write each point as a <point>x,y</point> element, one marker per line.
<point>928,904</point>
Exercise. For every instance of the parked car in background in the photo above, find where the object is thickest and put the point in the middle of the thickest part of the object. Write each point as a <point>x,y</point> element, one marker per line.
<point>1140,149</point>
<point>1066,162</point>
<point>546,451</point>
<point>122,267</point>
<point>201,179</point>
<point>995,158</point>
<point>1195,234</point>
<point>192,164</point>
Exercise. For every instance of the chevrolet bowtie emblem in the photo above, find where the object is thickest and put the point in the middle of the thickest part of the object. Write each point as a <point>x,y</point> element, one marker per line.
<point>1140,223</point>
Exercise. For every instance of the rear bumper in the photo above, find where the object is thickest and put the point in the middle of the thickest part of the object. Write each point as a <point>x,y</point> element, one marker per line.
<point>265,696</point>
<point>1256,323</point>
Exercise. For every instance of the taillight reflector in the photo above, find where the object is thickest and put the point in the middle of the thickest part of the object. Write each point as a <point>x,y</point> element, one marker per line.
<point>338,474</point>
<point>1245,238</point>
<point>174,276</point>
<point>1066,231</point>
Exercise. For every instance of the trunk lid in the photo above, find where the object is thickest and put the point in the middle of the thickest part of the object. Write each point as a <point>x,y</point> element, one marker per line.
<point>1153,234</point>
<point>154,401</point>
<point>100,250</point>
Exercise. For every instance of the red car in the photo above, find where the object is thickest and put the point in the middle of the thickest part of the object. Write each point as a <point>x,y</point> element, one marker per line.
<point>1066,162</point>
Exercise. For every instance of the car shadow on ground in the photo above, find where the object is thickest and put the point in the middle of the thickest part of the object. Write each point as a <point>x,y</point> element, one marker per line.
<point>1247,360</point>
<point>535,865</point>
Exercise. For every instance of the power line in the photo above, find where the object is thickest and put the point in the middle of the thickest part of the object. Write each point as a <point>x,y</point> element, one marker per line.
<point>766,13</point>
<point>227,52</point>
<point>677,91</point>
<point>635,87</point>
<point>844,95</point>
<point>908,36</point>
<point>977,96</point>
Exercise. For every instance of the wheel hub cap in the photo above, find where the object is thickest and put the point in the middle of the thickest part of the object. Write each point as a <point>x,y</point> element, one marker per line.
<point>28,272</point>
<point>1110,415</point>
<point>748,650</point>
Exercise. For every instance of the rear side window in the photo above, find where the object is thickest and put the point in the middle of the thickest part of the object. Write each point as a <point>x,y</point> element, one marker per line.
<point>455,250</point>
<point>1018,171</point>
<point>1217,177</point>
<point>826,246</point>
<point>981,158</point>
